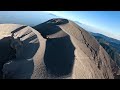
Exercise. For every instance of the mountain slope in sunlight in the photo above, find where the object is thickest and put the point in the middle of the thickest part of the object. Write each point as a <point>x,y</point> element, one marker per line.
<point>55,49</point>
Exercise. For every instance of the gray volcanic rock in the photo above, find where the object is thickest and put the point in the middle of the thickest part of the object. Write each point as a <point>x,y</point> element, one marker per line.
<point>23,65</point>
<point>57,49</point>
<point>88,61</point>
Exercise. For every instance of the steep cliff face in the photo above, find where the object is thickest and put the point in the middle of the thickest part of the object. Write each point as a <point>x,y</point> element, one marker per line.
<point>57,49</point>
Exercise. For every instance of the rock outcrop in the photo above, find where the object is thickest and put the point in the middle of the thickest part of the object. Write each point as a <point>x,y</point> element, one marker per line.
<point>56,49</point>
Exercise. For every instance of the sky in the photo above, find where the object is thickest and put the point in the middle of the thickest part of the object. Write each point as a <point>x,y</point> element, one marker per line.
<point>105,22</point>
<point>30,18</point>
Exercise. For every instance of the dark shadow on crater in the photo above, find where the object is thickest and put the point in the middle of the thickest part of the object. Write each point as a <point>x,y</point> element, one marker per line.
<point>30,48</point>
<point>25,34</point>
<point>5,49</point>
<point>50,27</point>
<point>59,56</point>
<point>47,30</point>
<point>6,52</point>
<point>25,65</point>
<point>57,21</point>
<point>30,39</point>
<point>18,29</point>
<point>23,70</point>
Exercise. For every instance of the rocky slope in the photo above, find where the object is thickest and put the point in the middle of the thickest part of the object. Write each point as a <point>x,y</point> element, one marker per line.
<point>110,49</point>
<point>90,59</point>
<point>57,49</point>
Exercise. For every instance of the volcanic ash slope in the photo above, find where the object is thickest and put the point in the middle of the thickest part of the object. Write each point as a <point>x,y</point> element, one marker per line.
<point>72,52</point>
<point>31,52</point>
<point>57,49</point>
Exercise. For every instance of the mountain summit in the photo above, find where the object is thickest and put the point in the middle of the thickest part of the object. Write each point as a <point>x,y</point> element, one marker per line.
<point>56,49</point>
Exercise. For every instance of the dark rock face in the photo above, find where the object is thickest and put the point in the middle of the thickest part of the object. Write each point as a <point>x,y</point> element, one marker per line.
<point>50,26</point>
<point>59,56</point>
<point>18,63</point>
<point>57,21</point>
<point>6,52</point>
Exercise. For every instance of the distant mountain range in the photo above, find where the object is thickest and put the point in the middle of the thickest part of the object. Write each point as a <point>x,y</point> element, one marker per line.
<point>112,46</point>
<point>109,39</point>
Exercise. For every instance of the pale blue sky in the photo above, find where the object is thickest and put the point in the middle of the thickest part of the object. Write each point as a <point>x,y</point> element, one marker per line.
<point>24,17</point>
<point>107,22</point>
